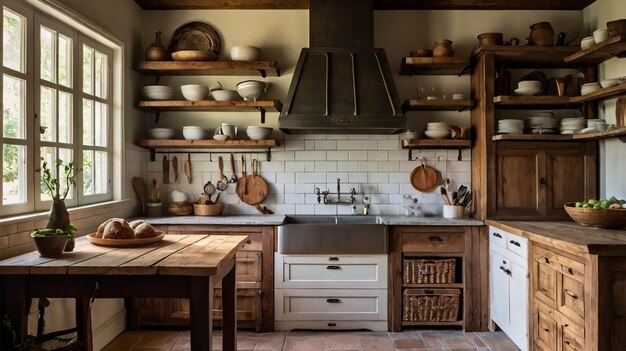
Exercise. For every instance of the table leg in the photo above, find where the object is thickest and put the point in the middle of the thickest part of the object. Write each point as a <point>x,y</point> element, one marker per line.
<point>83,323</point>
<point>229,312</point>
<point>15,307</point>
<point>201,313</point>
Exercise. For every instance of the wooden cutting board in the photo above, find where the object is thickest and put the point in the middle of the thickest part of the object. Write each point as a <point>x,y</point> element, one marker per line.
<point>252,188</point>
<point>424,178</point>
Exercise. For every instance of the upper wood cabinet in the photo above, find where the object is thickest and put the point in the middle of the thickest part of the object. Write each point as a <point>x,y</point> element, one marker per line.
<point>535,179</point>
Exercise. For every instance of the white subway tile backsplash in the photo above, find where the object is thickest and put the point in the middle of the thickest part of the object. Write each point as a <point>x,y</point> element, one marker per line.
<point>337,155</point>
<point>377,155</point>
<point>311,155</point>
<point>378,177</point>
<point>358,177</point>
<point>309,144</point>
<point>398,155</point>
<point>310,178</point>
<point>389,145</point>
<point>357,155</point>
<point>325,144</point>
<point>389,188</point>
<point>285,178</point>
<point>389,166</point>
<point>347,166</point>
<point>326,166</point>
<point>368,166</point>
<point>354,144</point>
<point>305,209</point>
<point>399,177</point>
<point>294,198</point>
<point>271,166</point>
<point>294,144</point>
<point>283,155</point>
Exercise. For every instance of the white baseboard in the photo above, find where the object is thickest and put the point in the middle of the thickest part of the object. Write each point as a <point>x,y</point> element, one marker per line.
<point>108,330</point>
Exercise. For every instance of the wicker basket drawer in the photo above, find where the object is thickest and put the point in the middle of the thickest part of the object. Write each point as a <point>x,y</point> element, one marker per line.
<point>429,271</point>
<point>427,305</point>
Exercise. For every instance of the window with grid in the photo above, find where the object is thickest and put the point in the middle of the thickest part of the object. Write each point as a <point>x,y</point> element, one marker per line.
<point>56,105</point>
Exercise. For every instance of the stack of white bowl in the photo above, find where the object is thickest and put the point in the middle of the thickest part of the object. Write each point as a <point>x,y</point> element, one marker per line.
<point>245,53</point>
<point>194,132</point>
<point>572,125</point>
<point>589,88</point>
<point>157,92</point>
<point>437,130</point>
<point>542,123</point>
<point>528,87</point>
<point>258,133</point>
<point>511,126</point>
<point>161,133</point>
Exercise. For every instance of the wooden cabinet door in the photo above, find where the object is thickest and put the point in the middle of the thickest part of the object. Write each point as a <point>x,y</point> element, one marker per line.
<point>518,305</point>
<point>499,289</point>
<point>545,288</point>
<point>545,330</point>
<point>570,176</point>
<point>517,188</point>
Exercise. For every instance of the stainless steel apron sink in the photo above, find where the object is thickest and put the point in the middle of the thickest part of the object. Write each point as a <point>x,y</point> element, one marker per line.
<point>332,235</point>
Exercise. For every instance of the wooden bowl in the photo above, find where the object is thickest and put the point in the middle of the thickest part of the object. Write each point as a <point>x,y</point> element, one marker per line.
<point>422,53</point>
<point>208,210</point>
<point>491,39</point>
<point>193,55</point>
<point>616,27</point>
<point>597,217</point>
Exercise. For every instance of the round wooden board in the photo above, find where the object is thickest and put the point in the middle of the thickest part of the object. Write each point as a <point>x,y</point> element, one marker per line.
<point>193,55</point>
<point>125,242</point>
<point>424,178</point>
<point>257,189</point>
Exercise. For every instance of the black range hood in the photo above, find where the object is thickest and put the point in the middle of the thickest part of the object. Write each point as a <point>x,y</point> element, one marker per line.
<point>342,84</point>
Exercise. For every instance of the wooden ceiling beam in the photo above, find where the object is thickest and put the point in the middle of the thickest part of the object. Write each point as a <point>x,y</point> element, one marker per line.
<point>378,4</point>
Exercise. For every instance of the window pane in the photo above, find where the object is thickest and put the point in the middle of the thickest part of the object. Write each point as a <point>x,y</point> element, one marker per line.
<point>13,174</point>
<point>100,124</point>
<point>65,117</point>
<point>87,122</point>
<point>101,176</point>
<point>13,40</point>
<point>47,113</point>
<point>88,184</point>
<point>66,156</point>
<point>87,70</point>
<point>48,54</point>
<point>49,155</point>
<point>101,70</point>
<point>65,61</point>
<point>14,109</point>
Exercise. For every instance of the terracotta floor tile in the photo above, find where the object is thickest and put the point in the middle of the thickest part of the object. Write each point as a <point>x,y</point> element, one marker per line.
<point>342,342</point>
<point>376,342</point>
<point>304,343</point>
<point>455,339</point>
<point>475,340</point>
<point>161,339</point>
<point>497,341</point>
<point>270,342</point>
<point>409,344</point>
<point>432,340</point>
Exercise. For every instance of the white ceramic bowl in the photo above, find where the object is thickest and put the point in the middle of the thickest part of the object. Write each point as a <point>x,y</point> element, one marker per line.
<point>587,43</point>
<point>252,89</point>
<point>526,92</point>
<point>605,83</point>
<point>225,95</point>
<point>600,35</point>
<point>437,134</point>
<point>194,133</point>
<point>590,89</point>
<point>432,125</point>
<point>158,92</point>
<point>529,85</point>
<point>220,137</point>
<point>458,96</point>
<point>161,133</point>
<point>258,133</point>
<point>245,53</point>
<point>195,92</point>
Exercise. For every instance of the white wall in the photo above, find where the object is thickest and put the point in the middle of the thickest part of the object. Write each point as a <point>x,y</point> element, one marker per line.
<point>375,165</point>
<point>612,151</point>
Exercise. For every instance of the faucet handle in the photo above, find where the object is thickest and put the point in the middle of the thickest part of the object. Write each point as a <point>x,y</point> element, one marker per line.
<point>317,192</point>
<point>353,191</point>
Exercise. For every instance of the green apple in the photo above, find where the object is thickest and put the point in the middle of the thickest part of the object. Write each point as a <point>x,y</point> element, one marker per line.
<point>592,202</point>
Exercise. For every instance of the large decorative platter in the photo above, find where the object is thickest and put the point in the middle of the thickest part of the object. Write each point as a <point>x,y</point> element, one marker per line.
<point>125,242</point>
<point>196,36</point>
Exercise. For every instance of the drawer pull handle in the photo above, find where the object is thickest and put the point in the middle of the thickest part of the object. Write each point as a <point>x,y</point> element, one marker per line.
<point>434,238</point>
<point>333,267</point>
<point>333,300</point>
<point>570,271</point>
<point>332,324</point>
<point>567,342</point>
<point>546,330</point>
<point>571,294</point>
<point>248,241</point>
<point>497,235</point>
<point>333,258</point>
<point>546,260</point>
<point>508,272</point>
<point>515,243</point>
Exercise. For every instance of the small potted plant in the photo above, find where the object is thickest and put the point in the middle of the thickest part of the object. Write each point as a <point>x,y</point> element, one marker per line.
<point>59,233</point>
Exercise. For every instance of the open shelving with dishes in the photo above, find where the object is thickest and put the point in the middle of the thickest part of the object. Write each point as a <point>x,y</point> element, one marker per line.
<point>261,106</point>
<point>437,105</point>
<point>428,66</point>
<point>615,133</point>
<point>613,47</point>
<point>183,146</point>
<point>556,102</point>
<point>210,68</point>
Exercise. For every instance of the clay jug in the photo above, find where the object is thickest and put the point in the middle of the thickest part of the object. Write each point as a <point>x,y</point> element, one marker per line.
<point>156,51</point>
<point>443,48</point>
<point>541,34</point>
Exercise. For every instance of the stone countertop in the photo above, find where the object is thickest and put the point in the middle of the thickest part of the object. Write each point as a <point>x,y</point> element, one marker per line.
<point>279,219</point>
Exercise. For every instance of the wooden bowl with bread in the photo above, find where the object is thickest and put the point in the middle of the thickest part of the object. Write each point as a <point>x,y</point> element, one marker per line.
<point>117,232</point>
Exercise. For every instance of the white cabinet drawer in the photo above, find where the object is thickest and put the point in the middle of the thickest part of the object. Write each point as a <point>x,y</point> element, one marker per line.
<point>517,244</point>
<point>330,304</point>
<point>313,271</point>
<point>497,237</point>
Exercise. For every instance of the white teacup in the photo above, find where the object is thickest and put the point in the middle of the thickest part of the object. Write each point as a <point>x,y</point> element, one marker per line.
<point>529,85</point>
<point>229,130</point>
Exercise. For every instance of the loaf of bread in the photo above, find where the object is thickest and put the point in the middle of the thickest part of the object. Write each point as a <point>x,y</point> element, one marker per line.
<point>100,231</point>
<point>134,224</point>
<point>118,229</point>
<point>145,230</point>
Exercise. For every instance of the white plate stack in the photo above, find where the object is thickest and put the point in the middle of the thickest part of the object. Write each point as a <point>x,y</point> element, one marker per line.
<point>437,130</point>
<point>572,125</point>
<point>510,126</point>
<point>542,123</point>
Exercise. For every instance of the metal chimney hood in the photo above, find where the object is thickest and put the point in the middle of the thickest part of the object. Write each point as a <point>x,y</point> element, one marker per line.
<point>342,84</point>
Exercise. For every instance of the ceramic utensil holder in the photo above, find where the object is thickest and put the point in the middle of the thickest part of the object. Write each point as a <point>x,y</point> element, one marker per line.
<point>450,211</point>
<point>153,209</point>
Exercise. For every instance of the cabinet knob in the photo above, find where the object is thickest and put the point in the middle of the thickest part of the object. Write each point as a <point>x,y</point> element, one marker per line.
<point>333,267</point>
<point>497,235</point>
<point>434,238</point>
<point>567,341</point>
<point>333,300</point>
<point>570,271</point>
<point>515,243</point>
<point>546,260</point>
<point>542,181</point>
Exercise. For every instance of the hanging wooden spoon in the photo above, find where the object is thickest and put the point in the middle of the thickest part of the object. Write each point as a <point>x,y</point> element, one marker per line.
<point>175,167</point>
<point>222,184</point>
<point>166,170</point>
<point>188,168</point>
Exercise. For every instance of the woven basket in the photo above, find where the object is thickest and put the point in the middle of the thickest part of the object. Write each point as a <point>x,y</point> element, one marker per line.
<point>423,305</point>
<point>429,271</point>
<point>208,210</point>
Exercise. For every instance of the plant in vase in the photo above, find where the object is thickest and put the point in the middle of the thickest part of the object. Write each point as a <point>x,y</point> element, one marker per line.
<point>59,233</point>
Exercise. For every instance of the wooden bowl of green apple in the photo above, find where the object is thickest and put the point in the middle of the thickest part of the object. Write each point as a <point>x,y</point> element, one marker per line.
<point>603,213</point>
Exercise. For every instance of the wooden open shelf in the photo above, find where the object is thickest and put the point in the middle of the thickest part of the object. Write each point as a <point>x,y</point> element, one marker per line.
<point>615,133</point>
<point>534,102</point>
<point>210,68</point>
<point>437,105</point>
<point>526,56</point>
<point>413,66</point>
<point>614,46</point>
<point>601,94</point>
<point>210,105</point>
<point>208,144</point>
<point>437,144</point>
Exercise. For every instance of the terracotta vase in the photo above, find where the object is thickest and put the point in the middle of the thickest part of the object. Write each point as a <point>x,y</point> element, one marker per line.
<point>443,48</point>
<point>59,218</point>
<point>541,34</point>
<point>51,246</point>
<point>156,51</point>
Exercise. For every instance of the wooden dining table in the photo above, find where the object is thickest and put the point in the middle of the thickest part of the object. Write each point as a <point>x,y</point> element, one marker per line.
<point>179,266</point>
